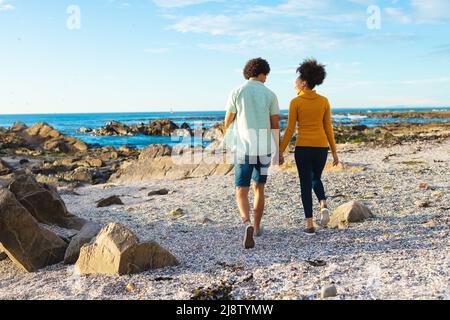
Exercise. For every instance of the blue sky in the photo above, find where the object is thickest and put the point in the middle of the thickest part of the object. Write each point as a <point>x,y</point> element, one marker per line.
<point>153,55</point>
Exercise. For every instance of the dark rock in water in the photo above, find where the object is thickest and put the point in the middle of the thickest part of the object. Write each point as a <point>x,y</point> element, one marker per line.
<point>43,202</point>
<point>155,150</point>
<point>215,292</point>
<point>85,130</point>
<point>114,128</point>
<point>113,200</point>
<point>89,231</point>
<point>360,127</point>
<point>4,168</point>
<point>160,127</point>
<point>24,161</point>
<point>23,240</point>
<point>160,192</point>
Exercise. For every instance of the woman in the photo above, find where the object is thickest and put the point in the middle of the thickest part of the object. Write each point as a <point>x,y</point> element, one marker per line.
<point>312,113</point>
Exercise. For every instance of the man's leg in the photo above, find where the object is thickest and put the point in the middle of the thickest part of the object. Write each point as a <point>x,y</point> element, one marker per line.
<point>243,203</point>
<point>260,173</point>
<point>258,205</point>
<point>243,175</point>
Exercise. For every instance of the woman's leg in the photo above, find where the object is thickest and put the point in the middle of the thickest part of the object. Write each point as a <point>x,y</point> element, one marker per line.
<point>303,161</point>
<point>318,164</point>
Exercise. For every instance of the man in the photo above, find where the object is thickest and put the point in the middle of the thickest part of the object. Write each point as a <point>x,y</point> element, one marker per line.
<point>253,120</point>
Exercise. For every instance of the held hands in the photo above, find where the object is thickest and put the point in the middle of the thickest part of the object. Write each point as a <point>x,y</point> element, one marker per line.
<point>280,159</point>
<point>335,159</point>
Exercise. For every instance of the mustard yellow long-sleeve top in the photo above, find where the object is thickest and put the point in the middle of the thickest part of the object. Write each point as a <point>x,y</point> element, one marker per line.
<point>312,112</point>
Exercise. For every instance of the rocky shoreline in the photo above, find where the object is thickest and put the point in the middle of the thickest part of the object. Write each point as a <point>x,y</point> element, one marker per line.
<point>66,161</point>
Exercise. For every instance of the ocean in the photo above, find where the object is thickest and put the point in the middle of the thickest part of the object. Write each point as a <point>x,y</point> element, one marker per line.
<point>69,123</point>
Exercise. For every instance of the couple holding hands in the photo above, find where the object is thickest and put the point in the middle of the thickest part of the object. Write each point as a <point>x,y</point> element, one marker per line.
<point>252,123</point>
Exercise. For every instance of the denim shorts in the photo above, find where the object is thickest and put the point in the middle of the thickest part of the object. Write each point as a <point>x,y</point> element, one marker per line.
<point>249,168</point>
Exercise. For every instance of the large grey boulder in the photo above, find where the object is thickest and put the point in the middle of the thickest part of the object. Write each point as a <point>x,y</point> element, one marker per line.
<point>43,202</point>
<point>117,251</point>
<point>23,240</point>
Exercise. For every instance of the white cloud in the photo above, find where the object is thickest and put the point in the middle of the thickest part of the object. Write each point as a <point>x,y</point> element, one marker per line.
<point>179,3</point>
<point>398,15</point>
<point>156,50</point>
<point>5,6</point>
<point>431,11</point>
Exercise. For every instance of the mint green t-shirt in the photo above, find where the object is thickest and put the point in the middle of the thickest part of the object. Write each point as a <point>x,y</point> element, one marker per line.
<point>251,134</point>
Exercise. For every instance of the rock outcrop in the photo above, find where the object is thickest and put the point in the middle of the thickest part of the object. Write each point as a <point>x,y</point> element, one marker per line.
<point>23,240</point>
<point>151,166</point>
<point>43,202</point>
<point>154,151</point>
<point>4,168</point>
<point>117,251</point>
<point>47,138</point>
<point>160,127</point>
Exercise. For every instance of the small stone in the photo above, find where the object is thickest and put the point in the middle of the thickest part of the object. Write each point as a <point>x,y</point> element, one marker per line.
<point>439,194</point>
<point>423,185</point>
<point>422,203</point>
<point>177,213</point>
<point>430,224</point>
<point>160,192</point>
<point>207,220</point>
<point>130,287</point>
<point>328,291</point>
<point>113,200</point>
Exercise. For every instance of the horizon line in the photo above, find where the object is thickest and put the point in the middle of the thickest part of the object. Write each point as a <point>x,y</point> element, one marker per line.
<point>180,111</point>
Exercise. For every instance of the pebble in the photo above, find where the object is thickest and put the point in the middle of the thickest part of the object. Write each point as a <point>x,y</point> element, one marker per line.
<point>328,291</point>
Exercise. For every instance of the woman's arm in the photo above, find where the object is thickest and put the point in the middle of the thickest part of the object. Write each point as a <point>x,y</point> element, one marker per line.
<point>328,125</point>
<point>292,121</point>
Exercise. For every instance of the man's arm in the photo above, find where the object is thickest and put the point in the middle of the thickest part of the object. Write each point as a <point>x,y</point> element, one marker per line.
<point>229,119</point>
<point>275,126</point>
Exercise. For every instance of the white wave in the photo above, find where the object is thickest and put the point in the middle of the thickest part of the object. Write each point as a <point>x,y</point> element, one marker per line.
<point>349,117</point>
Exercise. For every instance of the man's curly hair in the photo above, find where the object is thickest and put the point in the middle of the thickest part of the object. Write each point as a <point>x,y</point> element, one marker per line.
<point>255,67</point>
<point>312,72</point>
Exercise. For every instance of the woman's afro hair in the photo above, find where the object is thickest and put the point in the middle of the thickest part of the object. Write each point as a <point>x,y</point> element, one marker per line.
<point>312,72</point>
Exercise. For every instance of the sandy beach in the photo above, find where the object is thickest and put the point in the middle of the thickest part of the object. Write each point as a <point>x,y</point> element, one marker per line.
<point>402,253</point>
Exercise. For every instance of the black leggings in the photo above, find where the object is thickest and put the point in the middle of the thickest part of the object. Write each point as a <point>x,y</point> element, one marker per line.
<point>310,164</point>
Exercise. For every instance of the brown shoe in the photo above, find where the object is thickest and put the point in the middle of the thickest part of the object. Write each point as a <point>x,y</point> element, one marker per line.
<point>249,242</point>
